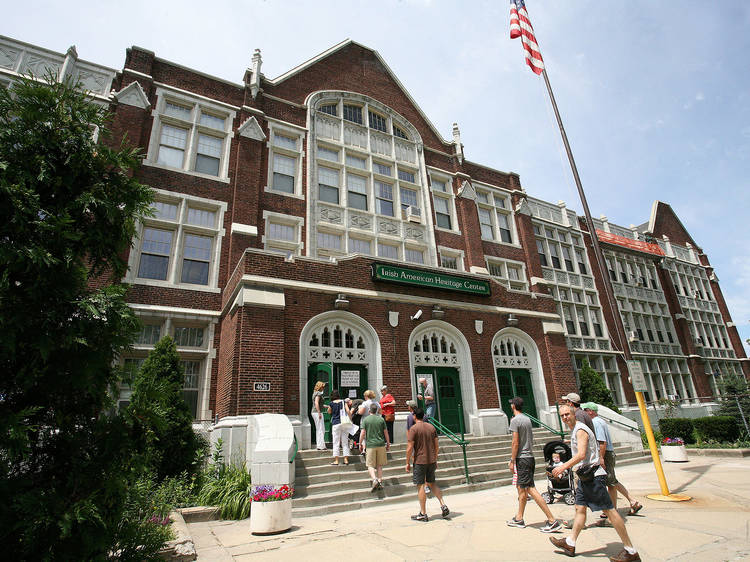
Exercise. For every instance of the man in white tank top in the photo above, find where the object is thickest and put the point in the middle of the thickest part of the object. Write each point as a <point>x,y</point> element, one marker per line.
<point>591,493</point>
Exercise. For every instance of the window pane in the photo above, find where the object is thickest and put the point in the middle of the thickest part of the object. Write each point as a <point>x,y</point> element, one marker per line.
<point>441,205</point>
<point>408,197</point>
<point>328,154</point>
<point>281,232</point>
<point>157,241</point>
<point>330,241</point>
<point>210,146</point>
<point>450,262</point>
<point>284,141</point>
<point>439,185</point>
<point>443,220</point>
<point>327,176</point>
<point>170,156</point>
<point>381,169</point>
<point>358,246</point>
<point>356,162</point>
<point>149,335</point>
<point>377,121</point>
<point>201,217</point>
<point>399,133</point>
<point>179,111</point>
<point>357,201</point>
<point>330,109</point>
<point>197,247</point>
<point>188,337</point>
<point>481,196</point>
<point>212,121</point>
<point>387,251</point>
<point>195,272</point>
<point>207,165</point>
<point>353,113</point>
<point>173,136</point>
<point>167,211</point>
<point>153,267</point>
<point>284,164</point>
<point>416,256</point>
<point>328,194</point>
<point>406,176</point>
<point>356,183</point>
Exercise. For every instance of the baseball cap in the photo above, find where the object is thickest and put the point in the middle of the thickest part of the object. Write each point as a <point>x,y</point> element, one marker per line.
<point>590,406</point>
<point>573,397</point>
<point>384,387</point>
<point>412,403</point>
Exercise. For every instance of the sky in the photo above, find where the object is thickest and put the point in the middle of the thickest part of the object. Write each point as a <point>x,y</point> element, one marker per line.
<point>654,96</point>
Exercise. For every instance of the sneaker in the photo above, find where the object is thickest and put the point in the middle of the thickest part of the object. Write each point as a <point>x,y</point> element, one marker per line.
<point>375,484</point>
<point>567,523</point>
<point>554,527</point>
<point>420,517</point>
<point>625,556</point>
<point>445,510</point>
<point>516,523</point>
<point>563,545</point>
<point>380,484</point>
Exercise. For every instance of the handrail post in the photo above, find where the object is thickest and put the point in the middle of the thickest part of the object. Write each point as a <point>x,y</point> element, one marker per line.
<point>463,442</point>
<point>559,419</point>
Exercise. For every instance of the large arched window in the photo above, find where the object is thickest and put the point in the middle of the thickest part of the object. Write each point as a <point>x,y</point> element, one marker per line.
<point>367,192</point>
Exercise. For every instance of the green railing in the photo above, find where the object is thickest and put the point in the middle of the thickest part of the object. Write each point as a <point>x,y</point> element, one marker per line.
<point>460,441</point>
<point>626,426</point>
<point>557,432</point>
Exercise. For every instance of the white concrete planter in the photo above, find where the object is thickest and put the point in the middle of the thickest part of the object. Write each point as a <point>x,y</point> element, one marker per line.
<point>674,453</point>
<point>268,518</point>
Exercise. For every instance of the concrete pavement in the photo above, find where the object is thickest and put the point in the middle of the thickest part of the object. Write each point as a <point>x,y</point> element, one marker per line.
<point>715,525</point>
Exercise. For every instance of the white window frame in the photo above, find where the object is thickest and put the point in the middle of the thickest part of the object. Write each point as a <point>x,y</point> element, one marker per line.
<point>290,131</point>
<point>447,196</point>
<point>179,227</point>
<point>492,263</point>
<point>494,210</point>
<point>288,247</point>
<point>194,129</point>
<point>458,255</point>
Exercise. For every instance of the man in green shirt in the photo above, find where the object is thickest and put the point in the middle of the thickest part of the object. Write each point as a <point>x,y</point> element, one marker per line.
<point>375,440</point>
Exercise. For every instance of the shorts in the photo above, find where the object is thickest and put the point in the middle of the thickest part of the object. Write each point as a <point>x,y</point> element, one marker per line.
<point>594,494</point>
<point>525,467</point>
<point>424,473</point>
<point>609,465</point>
<point>375,457</point>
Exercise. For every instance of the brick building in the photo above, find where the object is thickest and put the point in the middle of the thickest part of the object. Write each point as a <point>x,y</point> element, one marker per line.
<point>317,226</point>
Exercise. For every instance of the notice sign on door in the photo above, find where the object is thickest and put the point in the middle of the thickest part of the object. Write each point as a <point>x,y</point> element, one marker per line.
<point>350,378</point>
<point>636,376</point>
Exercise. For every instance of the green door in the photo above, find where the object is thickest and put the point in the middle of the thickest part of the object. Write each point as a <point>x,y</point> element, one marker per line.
<point>447,387</point>
<point>516,382</point>
<point>342,376</point>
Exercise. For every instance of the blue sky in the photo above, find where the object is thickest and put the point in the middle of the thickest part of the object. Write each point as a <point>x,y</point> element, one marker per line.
<point>655,96</point>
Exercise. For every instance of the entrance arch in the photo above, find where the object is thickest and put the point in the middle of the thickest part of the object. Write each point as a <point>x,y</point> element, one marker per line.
<point>438,347</point>
<point>338,338</point>
<point>517,363</point>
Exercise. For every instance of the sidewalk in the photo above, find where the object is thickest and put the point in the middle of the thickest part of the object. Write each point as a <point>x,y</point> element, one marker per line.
<point>714,525</point>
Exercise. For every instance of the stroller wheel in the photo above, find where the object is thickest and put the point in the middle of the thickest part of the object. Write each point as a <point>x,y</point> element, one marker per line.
<point>547,497</point>
<point>570,498</point>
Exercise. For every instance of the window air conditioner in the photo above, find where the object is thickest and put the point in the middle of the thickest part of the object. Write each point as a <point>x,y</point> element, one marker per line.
<point>696,294</point>
<point>633,336</point>
<point>673,396</point>
<point>699,340</point>
<point>412,214</point>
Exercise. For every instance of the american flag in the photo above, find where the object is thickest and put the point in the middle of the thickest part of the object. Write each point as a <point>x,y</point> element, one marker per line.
<point>520,26</point>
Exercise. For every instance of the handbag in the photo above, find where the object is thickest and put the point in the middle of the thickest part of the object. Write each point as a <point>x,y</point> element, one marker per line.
<point>346,421</point>
<point>586,473</point>
<point>390,417</point>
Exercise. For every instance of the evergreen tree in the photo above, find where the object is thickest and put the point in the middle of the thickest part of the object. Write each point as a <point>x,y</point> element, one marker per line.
<point>68,209</point>
<point>157,401</point>
<point>735,394</point>
<point>593,387</point>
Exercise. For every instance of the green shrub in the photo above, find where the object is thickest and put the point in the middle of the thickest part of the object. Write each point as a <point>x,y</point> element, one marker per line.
<point>227,488</point>
<point>722,429</point>
<point>677,427</point>
<point>657,437</point>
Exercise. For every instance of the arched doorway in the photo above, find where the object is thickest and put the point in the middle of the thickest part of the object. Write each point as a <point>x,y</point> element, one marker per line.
<point>341,349</point>
<point>440,353</point>
<point>518,372</point>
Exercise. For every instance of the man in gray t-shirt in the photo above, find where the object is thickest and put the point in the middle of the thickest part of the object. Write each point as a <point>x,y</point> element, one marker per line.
<point>522,465</point>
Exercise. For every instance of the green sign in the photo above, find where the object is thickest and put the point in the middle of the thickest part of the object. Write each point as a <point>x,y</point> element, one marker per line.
<point>382,272</point>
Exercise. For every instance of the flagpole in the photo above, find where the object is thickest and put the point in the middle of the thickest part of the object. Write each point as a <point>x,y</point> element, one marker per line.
<point>609,293</point>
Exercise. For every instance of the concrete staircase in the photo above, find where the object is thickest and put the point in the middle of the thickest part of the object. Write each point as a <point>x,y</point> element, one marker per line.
<point>321,488</point>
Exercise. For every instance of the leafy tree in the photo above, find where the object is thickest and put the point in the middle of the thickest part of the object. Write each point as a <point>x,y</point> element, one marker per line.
<point>594,389</point>
<point>157,401</point>
<point>68,209</point>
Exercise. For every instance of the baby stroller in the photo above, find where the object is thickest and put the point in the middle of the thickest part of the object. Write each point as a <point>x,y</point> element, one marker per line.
<point>563,485</point>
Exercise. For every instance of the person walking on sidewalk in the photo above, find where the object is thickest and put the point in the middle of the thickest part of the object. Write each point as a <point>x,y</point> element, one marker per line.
<point>591,491</point>
<point>574,400</point>
<point>607,459</point>
<point>522,464</point>
<point>423,446</point>
<point>376,439</point>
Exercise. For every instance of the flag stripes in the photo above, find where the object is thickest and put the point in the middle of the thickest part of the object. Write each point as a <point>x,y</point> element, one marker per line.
<point>520,26</point>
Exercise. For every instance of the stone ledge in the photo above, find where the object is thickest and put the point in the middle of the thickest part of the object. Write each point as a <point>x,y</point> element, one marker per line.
<point>182,547</point>
<point>719,452</point>
<point>199,514</point>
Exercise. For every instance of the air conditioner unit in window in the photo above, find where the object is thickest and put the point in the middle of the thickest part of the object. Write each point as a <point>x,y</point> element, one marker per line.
<point>673,396</point>
<point>412,214</point>
<point>699,341</point>
<point>633,336</point>
<point>696,294</point>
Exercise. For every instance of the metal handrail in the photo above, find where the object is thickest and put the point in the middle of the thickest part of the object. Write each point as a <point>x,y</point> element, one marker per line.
<point>460,441</point>
<point>626,426</point>
<point>560,433</point>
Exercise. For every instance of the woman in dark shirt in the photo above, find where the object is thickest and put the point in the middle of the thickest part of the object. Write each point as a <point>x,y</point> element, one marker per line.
<point>340,437</point>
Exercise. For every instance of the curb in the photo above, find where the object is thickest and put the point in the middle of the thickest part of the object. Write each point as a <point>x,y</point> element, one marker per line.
<point>740,453</point>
